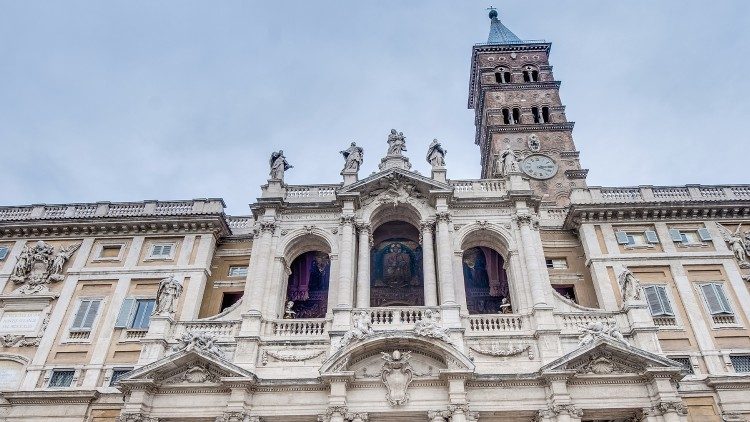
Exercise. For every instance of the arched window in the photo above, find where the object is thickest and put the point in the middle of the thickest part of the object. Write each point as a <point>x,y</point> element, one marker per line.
<point>485,281</point>
<point>506,116</point>
<point>396,277</point>
<point>307,291</point>
<point>545,115</point>
<point>502,76</point>
<point>537,115</point>
<point>516,116</point>
<point>530,74</point>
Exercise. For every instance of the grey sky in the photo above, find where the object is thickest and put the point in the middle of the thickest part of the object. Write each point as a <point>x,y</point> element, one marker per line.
<point>133,100</point>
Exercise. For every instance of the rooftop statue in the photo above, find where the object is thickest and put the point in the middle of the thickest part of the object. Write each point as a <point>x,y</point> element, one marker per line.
<point>436,154</point>
<point>278,165</point>
<point>396,143</point>
<point>507,162</point>
<point>353,156</point>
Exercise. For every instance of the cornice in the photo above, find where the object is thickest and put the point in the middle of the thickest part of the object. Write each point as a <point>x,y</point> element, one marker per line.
<point>51,397</point>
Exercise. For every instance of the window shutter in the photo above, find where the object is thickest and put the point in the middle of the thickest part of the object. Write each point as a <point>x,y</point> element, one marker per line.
<point>651,236</point>
<point>704,234</point>
<point>622,237</point>
<point>88,321</point>
<point>666,306</point>
<point>722,298</point>
<point>675,235</point>
<point>124,317</point>
<point>166,250</point>
<point>652,297</point>
<point>714,306</point>
<point>156,250</point>
<point>83,309</point>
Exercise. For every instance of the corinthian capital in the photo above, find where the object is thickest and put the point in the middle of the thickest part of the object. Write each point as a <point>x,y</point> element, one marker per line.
<point>526,220</point>
<point>347,220</point>
<point>267,226</point>
<point>443,216</point>
<point>672,406</point>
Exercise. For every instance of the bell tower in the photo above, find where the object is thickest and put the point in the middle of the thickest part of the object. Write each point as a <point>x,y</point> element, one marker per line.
<point>516,101</point>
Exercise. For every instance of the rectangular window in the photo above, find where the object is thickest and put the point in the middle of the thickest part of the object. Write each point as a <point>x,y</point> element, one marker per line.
<point>685,361</point>
<point>741,363</point>
<point>161,251</point>
<point>61,378</point>
<point>230,298</point>
<point>716,299</point>
<point>3,252</point>
<point>135,314</point>
<point>658,302</point>
<point>690,237</point>
<point>110,251</point>
<point>117,374</point>
<point>557,263</point>
<point>86,315</point>
<point>635,239</point>
<point>567,291</point>
<point>237,271</point>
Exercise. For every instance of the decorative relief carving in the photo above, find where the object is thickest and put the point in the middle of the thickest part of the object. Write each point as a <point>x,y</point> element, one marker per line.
<point>396,375</point>
<point>601,365</point>
<point>237,416</point>
<point>443,216</point>
<point>430,326</point>
<point>738,244</point>
<point>343,413</point>
<point>135,417</point>
<point>39,265</point>
<point>289,355</point>
<point>267,226</point>
<point>347,219</point>
<point>361,328</point>
<point>20,340</point>
<point>200,341</point>
<point>495,350</point>
<point>596,329</point>
<point>672,406</point>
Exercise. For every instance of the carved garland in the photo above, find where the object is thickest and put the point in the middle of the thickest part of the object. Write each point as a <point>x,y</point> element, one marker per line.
<point>289,355</point>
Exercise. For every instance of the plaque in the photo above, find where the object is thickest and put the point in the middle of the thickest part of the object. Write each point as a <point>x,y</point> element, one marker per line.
<point>19,322</point>
<point>10,375</point>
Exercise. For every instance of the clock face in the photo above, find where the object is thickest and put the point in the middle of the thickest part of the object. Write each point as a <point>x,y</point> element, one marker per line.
<point>539,166</point>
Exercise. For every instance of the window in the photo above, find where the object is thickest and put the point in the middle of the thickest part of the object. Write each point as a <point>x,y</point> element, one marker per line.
<point>61,378</point>
<point>3,252</point>
<point>690,237</point>
<point>718,304</point>
<point>658,302</point>
<point>230,298</point>
<point>110,252</point>
<point>161,251</point>
<point>135,314</point>
<point>237,271</point>
<point>685,361</point>
<point>541,115</point>
<point>117,374</point>
<point>507,116</point>
<point>516,115</point>
<point>502,76</point>
<point>557,263</point>
<point>545,115</point>
<point>566,291</point>
<point>637,239</point>
<point>86,315</point>
<point>741,363</point>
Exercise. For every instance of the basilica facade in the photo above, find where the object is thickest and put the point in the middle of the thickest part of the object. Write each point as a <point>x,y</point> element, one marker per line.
<point>524,295</point>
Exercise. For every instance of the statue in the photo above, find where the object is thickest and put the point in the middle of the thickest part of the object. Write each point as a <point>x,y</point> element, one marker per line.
<point>505,307</point>
<point>737,244</point>
<point>396,375</point>
<point>507,162</point>
<point>166,296</point>
<point>200,341</point>
<point>361,328</point>
<point>595,329</point>
<point>629,285</point>
<point>396,143</point>
<point>353,157</point>
<point>278,165</point>
<point>288,312</point>
<point>429,326</point>
<point>436,154</point>
<point>39,265</point>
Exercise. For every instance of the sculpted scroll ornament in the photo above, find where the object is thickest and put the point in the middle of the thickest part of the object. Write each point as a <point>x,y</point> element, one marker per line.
<point>361,328</point>
<point>396,375</point>
<point>40,265</point>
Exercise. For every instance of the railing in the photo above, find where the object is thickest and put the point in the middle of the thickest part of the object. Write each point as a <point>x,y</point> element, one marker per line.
<point>396,318</point>
<point>478,188</point>
<point>220,329</point>
<point>724,319</point>
<point>660,194</point>
<point>240,225</point>
<point>573,321</point>
<point>495,324</point>
<point>296,327</point>
<point>135,334</point>
<point>310,193</point>
<point>665,321</point>
<point>107,209</point>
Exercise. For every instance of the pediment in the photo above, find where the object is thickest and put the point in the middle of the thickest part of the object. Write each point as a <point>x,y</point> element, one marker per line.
<point>187,367</point>
<point>610,357</point>
<point>395,180</point>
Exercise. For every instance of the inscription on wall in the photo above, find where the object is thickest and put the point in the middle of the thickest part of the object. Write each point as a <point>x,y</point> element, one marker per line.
<point>19,322</point>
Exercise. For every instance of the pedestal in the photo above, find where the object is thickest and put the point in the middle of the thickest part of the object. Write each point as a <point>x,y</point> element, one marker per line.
<point>439,174</point>
<point>350,176</point>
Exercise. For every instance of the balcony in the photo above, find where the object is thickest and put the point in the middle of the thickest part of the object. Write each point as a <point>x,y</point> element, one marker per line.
<point>644,194</point>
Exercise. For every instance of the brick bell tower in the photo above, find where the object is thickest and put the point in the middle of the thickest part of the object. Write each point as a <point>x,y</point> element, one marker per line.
<point>516,101</point>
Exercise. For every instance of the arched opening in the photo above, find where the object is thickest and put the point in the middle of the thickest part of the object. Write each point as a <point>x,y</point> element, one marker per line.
<point>396,277</point>
<point>307,289</point>
<point>485,281</point>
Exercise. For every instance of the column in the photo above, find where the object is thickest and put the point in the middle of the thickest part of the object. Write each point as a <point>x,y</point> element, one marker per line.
<point>445,265</point>
<point>345,262</point>
<point>257,285</point>
<point>532,263</point>
<point>428,264</point>
<point>363,267</point>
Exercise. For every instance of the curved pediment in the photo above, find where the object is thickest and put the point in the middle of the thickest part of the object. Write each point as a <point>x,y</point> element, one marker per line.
<point>428,356</point>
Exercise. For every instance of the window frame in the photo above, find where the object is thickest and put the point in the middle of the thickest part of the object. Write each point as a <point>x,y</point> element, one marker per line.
<point>739,355</point>
<point>132,313</point>
<point>4,252</point>
<point>550,263</point>
<point>162,257</point>
<point>244,269</point>
<point>103,245</point>
<point>626,238</point>
<point>55,371</point>
<point>727,312</point>
<point>111,379</point>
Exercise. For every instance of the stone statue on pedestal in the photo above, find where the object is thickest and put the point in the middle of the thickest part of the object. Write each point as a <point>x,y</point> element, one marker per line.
<point>166,296</point>
<point>436,154</point>
<point>353,157</point>
<point>396,143</point>
<point>507,162</point>
<point>278,165</point>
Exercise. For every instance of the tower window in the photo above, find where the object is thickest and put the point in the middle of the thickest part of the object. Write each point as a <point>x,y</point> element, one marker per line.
<point>502,76</point>
<point>537,115</point>
<point>516,116</point>
<point>530,74</point>
<point>545,115</point>
<point>506,116</point>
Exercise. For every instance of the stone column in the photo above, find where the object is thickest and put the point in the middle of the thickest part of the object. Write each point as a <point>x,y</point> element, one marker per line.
<point>445,264</point>
<point>345,262</point>
<point>257,285</point>
<point>428,264</point>
<point>531,260</point>
<point>363,267</point>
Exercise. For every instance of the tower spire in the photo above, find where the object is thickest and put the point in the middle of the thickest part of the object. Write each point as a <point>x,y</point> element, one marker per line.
<point>499,34</point>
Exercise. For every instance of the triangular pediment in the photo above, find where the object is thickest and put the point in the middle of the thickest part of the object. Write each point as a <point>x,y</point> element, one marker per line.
<point>185,367</point>
<point>606,356</point>
<point>394,178</point>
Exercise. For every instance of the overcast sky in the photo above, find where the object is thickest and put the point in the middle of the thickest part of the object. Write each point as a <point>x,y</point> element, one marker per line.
<point>133,100</point>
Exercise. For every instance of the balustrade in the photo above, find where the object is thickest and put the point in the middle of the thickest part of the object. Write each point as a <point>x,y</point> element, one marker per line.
<point>495,324</point>
<point>296,327</point>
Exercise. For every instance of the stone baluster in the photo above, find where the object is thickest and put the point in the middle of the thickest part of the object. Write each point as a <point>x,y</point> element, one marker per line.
<point>428,264</point>
<point>345,262</point>
<point>363,267</point>
<point>445,265</point>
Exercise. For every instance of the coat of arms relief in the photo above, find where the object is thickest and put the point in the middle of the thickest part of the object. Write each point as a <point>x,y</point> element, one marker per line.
<point>40,265</point>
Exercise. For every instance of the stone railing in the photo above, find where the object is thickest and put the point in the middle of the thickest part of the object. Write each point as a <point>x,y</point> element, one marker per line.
<point>496,324</point>
<point>240,224</point>
<point>639,194</point>
<point>310,193</point>
<point>222,330</point>
<point>571,322</point>
<point>478,188</point>
<point>112,209</point>
<point>396,318</point>
<point>665,321</point>
<point>295,327</point>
